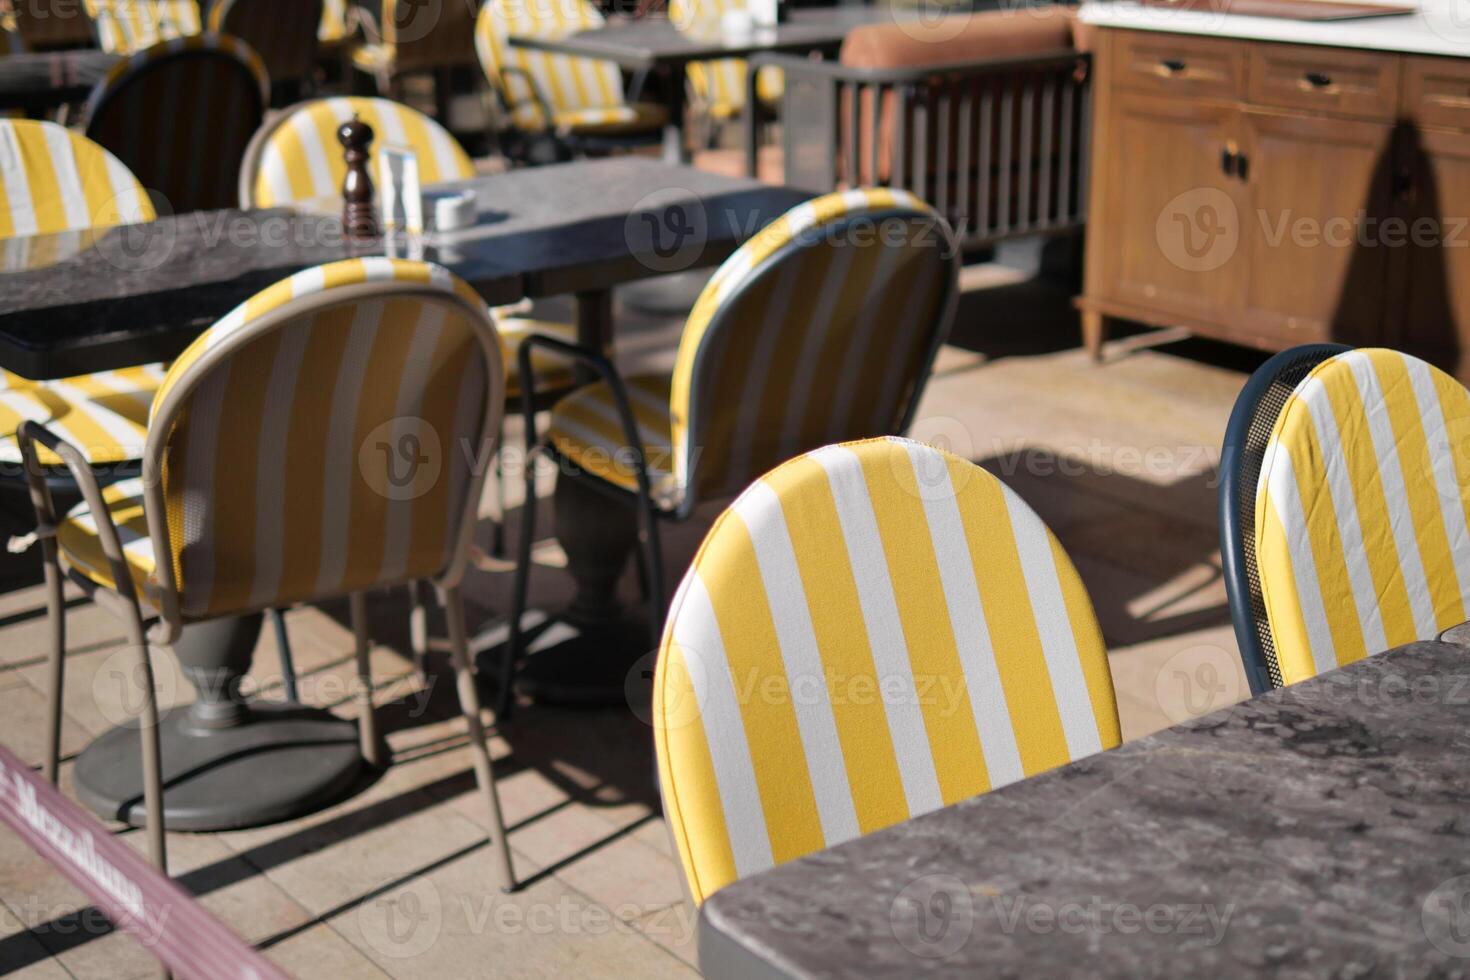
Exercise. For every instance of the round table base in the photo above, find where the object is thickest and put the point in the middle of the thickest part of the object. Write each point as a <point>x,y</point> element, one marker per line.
<point>286,761</point>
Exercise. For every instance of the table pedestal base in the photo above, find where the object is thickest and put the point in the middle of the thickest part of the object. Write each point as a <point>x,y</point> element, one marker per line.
<point>286,760</point>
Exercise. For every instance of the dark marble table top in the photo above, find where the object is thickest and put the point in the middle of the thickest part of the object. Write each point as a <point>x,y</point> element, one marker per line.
<point>655,42</point>
<point>79,302</point>
<point>1320,830</point>
<point>45,79</point>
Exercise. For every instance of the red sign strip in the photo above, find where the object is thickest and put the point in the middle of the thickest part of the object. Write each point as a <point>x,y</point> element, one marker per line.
<point>132,892</point>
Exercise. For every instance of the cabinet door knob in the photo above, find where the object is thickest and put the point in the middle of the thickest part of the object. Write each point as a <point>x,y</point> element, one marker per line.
<point>1242,166</point>
<point>1318,79</point>
<point>1228,158</point>
<point>1174,65</point>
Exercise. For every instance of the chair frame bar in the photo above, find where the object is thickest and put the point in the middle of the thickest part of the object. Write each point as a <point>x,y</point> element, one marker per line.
<point>1240,468</point>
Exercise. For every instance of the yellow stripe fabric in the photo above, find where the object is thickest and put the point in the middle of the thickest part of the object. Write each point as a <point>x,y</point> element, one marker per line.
<point>1361,511</point>
<point>54,181</point>
<point>870,632</point>
<point>826,343</point>
<point>302,158</point>
<point>126,26</point>
<point>720,84</point>
<point>280,466</point>
<point>581,92</point>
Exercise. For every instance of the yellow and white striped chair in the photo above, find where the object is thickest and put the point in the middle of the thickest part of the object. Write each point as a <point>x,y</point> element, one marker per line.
<point>52,181</point>
<point>180,115</point>
<point>126,26</point>
<point>282,32</point>
<point>336,25</point>
<point>1357,522</point>
<point>718,87</point>
<point>414,37</point>
<point>927,638</point>
<point>296,158</point>
<point>299,387</point>
<point>820,328</point>
<point>576,99</point>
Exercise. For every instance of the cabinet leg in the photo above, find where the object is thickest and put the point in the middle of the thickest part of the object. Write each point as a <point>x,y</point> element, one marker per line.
<point>1094,332</point>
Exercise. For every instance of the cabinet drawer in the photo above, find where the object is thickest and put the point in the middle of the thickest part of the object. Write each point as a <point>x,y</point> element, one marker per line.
<point>1437,92</point>
<point>1176,64</point>
<point>1331,80</point>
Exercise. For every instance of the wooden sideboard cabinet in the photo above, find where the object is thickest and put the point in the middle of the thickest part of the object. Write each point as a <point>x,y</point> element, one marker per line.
<point>1275,194</point>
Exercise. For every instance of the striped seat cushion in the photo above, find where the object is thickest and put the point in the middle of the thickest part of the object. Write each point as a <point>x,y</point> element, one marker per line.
<point>1362,510</point>
<point>126,26</point>
<point>580,91</point>
<point>870,632</point>
<point>81,546</point>
<point>586,430</point>
<point>588,122</point>
<point>104,415</point>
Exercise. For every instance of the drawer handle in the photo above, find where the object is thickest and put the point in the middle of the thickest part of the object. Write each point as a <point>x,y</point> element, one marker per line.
<point>1318,79</point>
<point>1173,65</point>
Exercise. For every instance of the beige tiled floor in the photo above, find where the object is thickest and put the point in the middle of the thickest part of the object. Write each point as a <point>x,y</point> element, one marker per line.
<point>1118,458</point>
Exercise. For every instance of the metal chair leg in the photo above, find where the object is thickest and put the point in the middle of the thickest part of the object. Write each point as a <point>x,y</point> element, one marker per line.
<point>497,536</point>
<point>288,664</point>
<point>56,667</point>
<point>367,722</point>
<point>418,629</point>
<point>149,742</point>
<point>504,697</point>
<point>469,702</point>
<point>654,576</point>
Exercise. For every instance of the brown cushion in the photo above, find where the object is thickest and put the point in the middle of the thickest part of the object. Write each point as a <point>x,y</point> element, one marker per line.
<point>958,38</point>
<point>951,40</point>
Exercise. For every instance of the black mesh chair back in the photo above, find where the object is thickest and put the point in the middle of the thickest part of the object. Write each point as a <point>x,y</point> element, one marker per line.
<point>1257,408</point>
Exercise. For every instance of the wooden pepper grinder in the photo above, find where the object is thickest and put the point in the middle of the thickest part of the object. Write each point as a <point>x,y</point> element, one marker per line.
<point>358,217</point>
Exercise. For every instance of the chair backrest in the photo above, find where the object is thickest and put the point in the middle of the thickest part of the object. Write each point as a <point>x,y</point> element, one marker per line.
<point>50,24</point>
<point>429,35</point>
<point>126,26</point>
<point>282,32</point>
<point>335,24</point>
<point>527,78</point>
<point>821,328</point>
<point>296,156</point>
<point>54,180</point>
<point>323,438</point>
<point>721,83</point>
<point>1356,539</point>
<point>180,115</point>
<point>870,632</point>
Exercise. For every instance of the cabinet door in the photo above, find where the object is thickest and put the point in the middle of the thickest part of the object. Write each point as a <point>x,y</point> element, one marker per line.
<point>1319,191</point>
<point>1435,314</point>
<point>1169,212</point>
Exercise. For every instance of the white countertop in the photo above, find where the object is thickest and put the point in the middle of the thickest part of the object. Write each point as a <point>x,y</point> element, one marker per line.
<point>1434,27</point>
